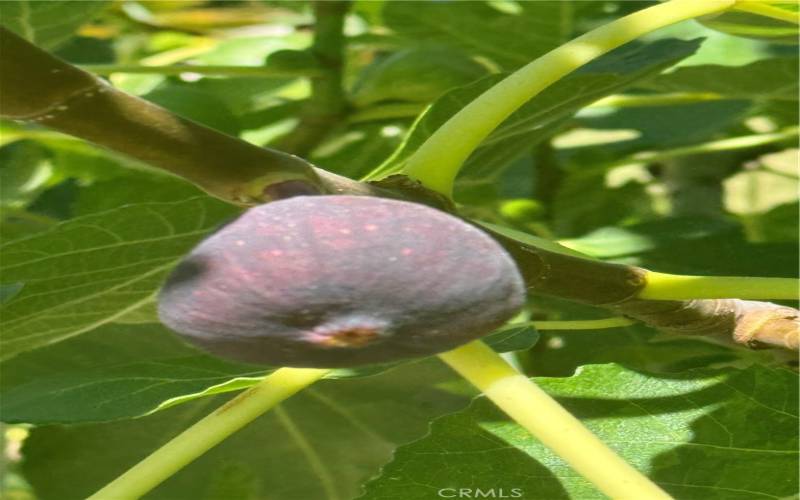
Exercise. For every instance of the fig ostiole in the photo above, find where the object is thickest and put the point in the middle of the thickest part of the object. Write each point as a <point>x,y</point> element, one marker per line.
<point>340,281</point>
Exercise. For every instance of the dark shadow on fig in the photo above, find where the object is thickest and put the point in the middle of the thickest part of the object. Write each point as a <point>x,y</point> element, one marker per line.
<point>188,270</point>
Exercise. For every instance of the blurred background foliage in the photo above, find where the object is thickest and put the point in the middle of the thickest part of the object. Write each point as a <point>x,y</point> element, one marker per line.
<point>578,175</point>
<point>678,154</point>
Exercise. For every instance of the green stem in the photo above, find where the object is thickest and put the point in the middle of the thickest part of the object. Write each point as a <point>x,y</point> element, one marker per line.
<point>178,69</point>
<point>208,432</point>
<point>437,162</point>
<point>582,324</point>
<point>764,10</point>
<point>661,286</point>
<point>550,423</point>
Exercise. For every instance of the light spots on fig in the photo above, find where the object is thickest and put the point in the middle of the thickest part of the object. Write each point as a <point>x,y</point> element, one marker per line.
<point>370,227</point>
<point>345,231</point>
<point>270,254</point>
<point>407,251</point>
<point>240,243</point>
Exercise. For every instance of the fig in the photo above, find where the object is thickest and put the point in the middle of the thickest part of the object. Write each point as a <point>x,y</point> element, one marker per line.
<point>340,281</point>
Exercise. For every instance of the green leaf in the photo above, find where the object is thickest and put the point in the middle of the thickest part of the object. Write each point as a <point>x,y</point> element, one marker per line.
<point>322,443</point>
<point>25,170</point>
<point>622,241</point>
<point>701,246</point>
<point>47,24</point>
<point>136,188</point>
<point>756,26</point>
<point>654,128</point>
<point>202,107</point>
<point>91,270</point>
<point>116,371</point>
<point>510,39</point>
<point>512,338</point>
<point>636,347</point>
<point>774,78</point>
<point>712,434</point>
<point>356,149</point>
<point>122,371</point>
<point>415,75</point>
<point>536,241</point>
<point>7,292</point>
<point>779,224</point>
<point>577,213</point>
<point>542,116</point>
<point>775,183</point>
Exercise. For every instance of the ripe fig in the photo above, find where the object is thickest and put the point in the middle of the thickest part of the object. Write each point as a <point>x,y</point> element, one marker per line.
<point>339,281</point>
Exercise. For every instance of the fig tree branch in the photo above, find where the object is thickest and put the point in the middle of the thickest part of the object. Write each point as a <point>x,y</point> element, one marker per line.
<point>624,289</point>
<point>39,88</point>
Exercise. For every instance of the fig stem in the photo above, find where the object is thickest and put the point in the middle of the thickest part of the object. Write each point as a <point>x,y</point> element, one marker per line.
<point>532,408</point>
<point>662,286</point>
<point>582,324</point>
<point>437,162</point>
<point>208,432</point>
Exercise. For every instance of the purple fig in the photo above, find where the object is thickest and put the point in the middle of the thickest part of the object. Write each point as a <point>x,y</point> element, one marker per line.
<point>338,281</point>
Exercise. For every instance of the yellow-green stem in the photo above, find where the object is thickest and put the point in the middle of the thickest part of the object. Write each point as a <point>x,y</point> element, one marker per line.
<point>439,159</point>
<point>662,286</point>
<point>208,432</point>
<point>583,324</point>
<point>765,10</point>
<point>550,423</point>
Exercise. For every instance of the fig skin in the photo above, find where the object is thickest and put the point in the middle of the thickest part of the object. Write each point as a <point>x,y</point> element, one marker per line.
<point>340,281</point>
